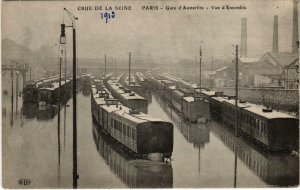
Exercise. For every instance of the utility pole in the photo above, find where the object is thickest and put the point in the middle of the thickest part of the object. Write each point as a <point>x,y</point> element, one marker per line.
<point>30,73</point>
<point>185,69</point>
<point>104,65</point>
<point>58,111</point>
<point>63,41</point>
<point>196,63</point>
<point>17,90</point>
<point>236,86</point>
<point>129,68</point>
<point>65,98</point>
<point>75,175</point>
<point>212,71</point>
<point>212,64</point>
<point>12,91</point>
<point>200,70</point>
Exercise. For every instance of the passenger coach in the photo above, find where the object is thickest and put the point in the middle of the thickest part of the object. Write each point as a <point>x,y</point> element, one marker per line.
<point>141,133</point>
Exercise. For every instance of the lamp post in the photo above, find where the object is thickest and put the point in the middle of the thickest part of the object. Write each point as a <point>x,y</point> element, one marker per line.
<point>63,39</point>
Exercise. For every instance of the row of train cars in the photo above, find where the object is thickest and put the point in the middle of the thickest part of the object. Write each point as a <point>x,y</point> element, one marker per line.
<point>133,173</point>
<point>47,91</point>
<point>272,130</point>
<point>122,114</point>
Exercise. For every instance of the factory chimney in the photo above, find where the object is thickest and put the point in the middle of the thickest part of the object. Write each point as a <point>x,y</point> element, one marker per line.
<point>275,35</point>
<point>295,27</point>
<point>244,38</point>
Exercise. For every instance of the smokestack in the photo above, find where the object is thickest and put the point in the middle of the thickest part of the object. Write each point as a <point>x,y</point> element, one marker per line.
<point>295,27</point>
<point>275,35</point>
<point>244,38</point>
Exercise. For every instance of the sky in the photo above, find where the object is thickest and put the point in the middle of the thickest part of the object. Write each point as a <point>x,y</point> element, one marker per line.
<point>168,34</point>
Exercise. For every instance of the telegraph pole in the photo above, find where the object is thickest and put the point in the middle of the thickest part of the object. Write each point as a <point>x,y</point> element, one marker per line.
<point>200,69</point>
<point>236,86</point>
<point>30,73</point>
<point>63,41</point>
<point>58,111</point>
<point>104,65</point>
<point>17,90</point>
<point>195,78</point>
<point>212,71</point>
<point>212,64</point>
<point>129,68</point>
<point>12,91</point>
<point>185,69</point>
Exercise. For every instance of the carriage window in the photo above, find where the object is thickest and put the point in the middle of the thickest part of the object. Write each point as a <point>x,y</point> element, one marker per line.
<point>133,134</point>
<point>127,131</point>
<point>124,129</point>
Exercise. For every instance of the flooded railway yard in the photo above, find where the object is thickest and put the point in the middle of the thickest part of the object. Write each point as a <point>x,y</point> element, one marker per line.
<point>39,147</point>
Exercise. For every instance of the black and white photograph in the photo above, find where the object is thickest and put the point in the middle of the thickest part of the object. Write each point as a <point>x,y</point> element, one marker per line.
<point>150,94</point>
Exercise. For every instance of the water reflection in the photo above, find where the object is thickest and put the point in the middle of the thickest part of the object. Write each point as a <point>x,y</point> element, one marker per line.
<point>274,169</point>
<point>42,113</point>
<point>195,133</point>
<point>86,90</point>
<point>135,173</point>
<point>29,110</point>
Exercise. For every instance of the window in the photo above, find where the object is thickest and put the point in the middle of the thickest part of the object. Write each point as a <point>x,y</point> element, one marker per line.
<point>115,124</point>
<point>133,134</point>
<point>124,129</point>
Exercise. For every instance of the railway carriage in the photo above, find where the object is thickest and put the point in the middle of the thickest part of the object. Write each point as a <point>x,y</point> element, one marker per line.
<point>127,97</point>
<point>195,107</point>
<point>139,132</point>
<point>229,111</point>
<point>50,95</point>
<point>276,130</point>
<point>271,129</point>
<point>30,90</point>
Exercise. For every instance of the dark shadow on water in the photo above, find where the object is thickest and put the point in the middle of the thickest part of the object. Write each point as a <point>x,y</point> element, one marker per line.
<point>274,169</point>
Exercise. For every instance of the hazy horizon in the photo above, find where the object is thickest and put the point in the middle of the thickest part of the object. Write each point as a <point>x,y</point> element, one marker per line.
<point>168,34</point>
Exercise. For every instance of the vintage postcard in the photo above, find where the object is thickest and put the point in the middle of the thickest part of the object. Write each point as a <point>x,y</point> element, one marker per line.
<point>150,94</point>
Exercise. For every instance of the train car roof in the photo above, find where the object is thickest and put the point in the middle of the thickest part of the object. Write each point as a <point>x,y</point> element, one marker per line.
<point>178,92</point>
<point>172,87</point>
<point>220,99</point>
<point>99,101</point>
<point>136,117</point>
<point>258,109</point>
<point>132,95</point>
<point>241,105</point>
<point>189,98</point>
<point>126,95</point>
<point>207,92</point>
<point>112,108</point>
<point>55,85</point>
<point>94,91</point>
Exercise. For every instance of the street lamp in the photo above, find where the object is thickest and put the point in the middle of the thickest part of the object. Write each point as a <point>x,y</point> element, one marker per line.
<point>62,35</point>
<point>62,39</point>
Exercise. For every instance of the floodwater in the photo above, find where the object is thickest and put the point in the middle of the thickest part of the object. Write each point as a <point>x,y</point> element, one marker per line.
<point>35,147</point>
